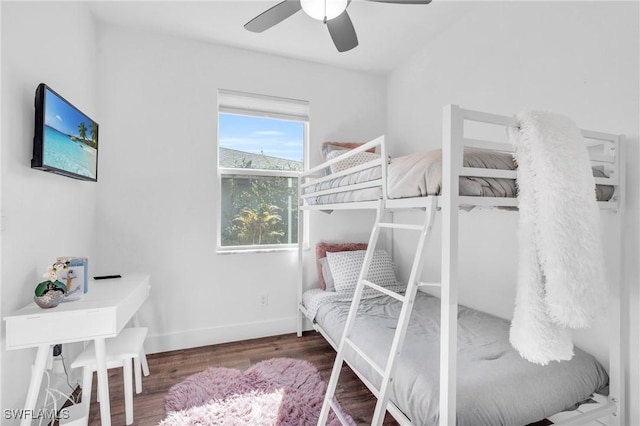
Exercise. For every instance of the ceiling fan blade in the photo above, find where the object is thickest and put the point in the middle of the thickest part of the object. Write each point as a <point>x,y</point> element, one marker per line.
<point>342,32</point>
<point>403,1</point>
<point>273,16</point>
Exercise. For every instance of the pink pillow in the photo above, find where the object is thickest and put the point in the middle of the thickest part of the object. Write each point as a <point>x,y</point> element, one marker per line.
<point>321,251</point>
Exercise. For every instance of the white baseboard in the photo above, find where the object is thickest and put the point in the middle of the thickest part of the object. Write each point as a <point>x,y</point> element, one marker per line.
<point>214,335</point>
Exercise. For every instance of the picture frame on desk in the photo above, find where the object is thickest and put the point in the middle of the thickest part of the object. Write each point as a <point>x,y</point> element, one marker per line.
<point>75,277</point>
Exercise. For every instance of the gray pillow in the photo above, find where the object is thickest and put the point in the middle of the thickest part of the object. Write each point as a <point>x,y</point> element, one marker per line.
<point>326,274</point>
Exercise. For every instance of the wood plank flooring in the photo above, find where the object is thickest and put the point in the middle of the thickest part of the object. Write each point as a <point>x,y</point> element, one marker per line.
<point>170,368</point>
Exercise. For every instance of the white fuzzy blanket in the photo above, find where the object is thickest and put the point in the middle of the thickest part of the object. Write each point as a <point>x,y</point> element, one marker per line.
<point>561,278</point>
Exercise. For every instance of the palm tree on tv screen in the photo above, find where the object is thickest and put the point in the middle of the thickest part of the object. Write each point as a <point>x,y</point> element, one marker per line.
<point>82,129</point>
<point>94,132</point>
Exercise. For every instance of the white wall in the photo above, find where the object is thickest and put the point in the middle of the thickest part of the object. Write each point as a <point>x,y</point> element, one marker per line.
<point>155,208</point>
<point>576,58</point>
<point>157,204</point>
<point>1,212</point>
<point>45,215</point>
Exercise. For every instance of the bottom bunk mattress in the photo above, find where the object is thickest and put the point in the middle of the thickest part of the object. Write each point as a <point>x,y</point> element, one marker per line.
<point>495,386</point>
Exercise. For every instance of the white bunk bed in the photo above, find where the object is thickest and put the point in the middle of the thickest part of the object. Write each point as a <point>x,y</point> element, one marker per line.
<point>605,151</point>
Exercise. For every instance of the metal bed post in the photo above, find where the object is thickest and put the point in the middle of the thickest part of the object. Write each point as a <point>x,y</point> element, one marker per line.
<point>452,149</point>
<point>616,366</point>
<point>301,270</point>
<point>618,290</point>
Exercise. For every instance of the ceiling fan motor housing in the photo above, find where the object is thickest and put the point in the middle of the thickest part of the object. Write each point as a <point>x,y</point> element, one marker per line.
<point>324,9</point>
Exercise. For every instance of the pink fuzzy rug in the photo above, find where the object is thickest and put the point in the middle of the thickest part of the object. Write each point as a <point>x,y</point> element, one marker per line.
<point>279,391</point>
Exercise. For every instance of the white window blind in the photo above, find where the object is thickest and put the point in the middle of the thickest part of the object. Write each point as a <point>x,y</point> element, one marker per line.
<point>234,102</point>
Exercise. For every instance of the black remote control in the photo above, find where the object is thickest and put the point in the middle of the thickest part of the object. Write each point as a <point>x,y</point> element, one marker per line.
<point>106,277</point>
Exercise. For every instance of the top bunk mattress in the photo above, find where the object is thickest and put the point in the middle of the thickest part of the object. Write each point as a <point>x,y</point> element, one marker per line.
<point>495,385</point>
<point>420,174</point>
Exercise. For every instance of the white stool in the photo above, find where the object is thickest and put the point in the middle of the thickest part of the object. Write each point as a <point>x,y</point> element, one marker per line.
<point>143,356</point>
<point>121,351</point>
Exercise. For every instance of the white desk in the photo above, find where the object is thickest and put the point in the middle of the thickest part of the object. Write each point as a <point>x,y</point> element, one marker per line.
<point>100,314</point>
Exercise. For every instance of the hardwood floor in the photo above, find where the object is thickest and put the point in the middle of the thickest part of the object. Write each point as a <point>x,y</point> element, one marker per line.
<point>170,368</point>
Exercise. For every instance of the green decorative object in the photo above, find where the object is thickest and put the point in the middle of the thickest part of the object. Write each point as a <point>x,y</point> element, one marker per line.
<point>46,286</point>
<point>49,293</point>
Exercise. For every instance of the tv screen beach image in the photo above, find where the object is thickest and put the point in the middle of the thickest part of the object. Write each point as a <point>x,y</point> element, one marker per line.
<point>70,138</point>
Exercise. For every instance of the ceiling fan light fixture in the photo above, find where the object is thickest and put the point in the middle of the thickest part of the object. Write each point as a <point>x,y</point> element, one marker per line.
<point>321,9</point>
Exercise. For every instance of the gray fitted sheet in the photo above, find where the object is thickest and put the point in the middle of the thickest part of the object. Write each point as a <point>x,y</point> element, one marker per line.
<point>495,385</point>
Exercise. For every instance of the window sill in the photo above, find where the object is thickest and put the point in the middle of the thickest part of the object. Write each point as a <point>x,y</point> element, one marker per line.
<point>255,250</point>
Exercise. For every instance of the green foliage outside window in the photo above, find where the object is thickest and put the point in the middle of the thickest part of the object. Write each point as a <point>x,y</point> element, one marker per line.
<point>259,209</point>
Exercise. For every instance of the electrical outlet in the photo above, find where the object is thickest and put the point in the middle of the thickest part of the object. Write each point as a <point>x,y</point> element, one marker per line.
<point>57,350</point>
<point>264,300</point>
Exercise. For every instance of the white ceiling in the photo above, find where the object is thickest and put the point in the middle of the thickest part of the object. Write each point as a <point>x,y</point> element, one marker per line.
<point>388,34</point>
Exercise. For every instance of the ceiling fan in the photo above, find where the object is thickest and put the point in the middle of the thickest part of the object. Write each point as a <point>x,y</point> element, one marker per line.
<point>331,12</point>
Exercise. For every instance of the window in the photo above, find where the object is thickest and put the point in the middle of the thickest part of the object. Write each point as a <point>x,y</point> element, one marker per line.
<point>261,149</point>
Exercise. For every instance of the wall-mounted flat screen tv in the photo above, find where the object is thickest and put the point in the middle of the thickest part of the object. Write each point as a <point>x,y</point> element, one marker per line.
<point>65,140</point>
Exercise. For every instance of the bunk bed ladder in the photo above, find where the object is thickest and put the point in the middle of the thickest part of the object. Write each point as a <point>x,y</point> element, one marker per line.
<point>387,372</point>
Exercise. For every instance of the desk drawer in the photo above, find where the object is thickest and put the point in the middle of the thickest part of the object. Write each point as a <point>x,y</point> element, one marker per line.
<point>61,327</point>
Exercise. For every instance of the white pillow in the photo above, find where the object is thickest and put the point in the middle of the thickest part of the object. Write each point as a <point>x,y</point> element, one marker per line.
<point>353,161</point>
<point>345,268</point>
